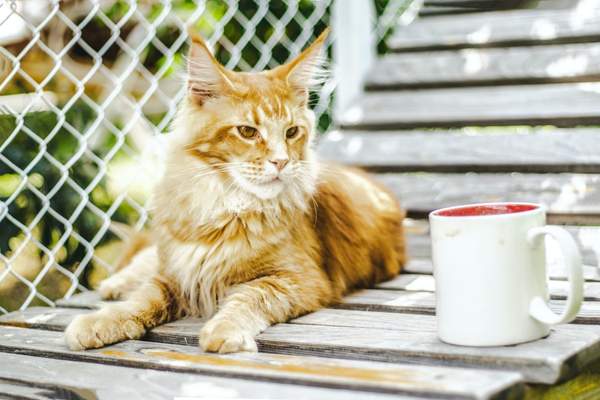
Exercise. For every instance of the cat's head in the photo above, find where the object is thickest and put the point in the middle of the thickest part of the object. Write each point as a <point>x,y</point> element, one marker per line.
<point>255,130</point>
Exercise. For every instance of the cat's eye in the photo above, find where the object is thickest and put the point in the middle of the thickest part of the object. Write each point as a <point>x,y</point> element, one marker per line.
<point>292,132</point>
<point>247,132</point>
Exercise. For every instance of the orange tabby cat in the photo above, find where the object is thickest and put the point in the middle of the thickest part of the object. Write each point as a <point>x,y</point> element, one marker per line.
<point>249,228</point>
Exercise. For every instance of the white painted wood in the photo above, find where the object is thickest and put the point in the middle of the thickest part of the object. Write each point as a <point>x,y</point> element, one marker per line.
<point>477,106</point>
<point>491,29</point>
<point>467,150</point>
<point>353,48</point>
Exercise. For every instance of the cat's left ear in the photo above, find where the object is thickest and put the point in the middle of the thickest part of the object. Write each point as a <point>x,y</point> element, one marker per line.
<point>207,78</point>
<point>307,69</point>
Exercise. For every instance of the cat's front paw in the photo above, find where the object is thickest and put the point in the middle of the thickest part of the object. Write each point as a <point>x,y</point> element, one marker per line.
<point>222,336</point>
<point>99,329</point>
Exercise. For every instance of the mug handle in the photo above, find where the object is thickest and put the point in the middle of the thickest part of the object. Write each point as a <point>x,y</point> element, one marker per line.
<point>538,308</point>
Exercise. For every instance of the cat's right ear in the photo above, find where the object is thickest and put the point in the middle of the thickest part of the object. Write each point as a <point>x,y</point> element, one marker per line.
<point>206,77</point>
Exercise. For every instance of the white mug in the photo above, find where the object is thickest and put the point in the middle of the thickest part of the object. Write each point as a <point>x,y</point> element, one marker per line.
<point>490,272</point>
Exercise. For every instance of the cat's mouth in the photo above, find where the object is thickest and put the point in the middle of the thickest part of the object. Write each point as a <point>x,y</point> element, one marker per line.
<point>274,180</point>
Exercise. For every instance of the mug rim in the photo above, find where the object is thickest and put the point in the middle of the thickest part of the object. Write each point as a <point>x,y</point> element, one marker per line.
<point>538,208</point>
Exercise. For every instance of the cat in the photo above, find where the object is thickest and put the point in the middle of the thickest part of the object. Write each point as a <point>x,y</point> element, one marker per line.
<point>248,228</point>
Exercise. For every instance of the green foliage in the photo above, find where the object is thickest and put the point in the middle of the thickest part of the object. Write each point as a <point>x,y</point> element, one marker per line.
<point>41,197</point>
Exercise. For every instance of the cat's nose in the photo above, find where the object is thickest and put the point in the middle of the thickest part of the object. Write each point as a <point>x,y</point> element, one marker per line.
<point>280,163</point>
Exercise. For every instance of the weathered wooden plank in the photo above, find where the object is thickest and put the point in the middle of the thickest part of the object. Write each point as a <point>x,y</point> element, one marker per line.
<point>562,354</point>
<point>467,150</point>
<point>10,390</point>
<point>419,282</point>
<point>408,302</point>
<point>403,380</point>
<point>49,378</point>
<point>569,347</point>
<point>539,361</point>
<point>556,270</point>
<point>477,106</point>
<point>423,302</point>
<point>527,27</point>
<point>495,66</point>
<point>361,319</point>
<point>43,318</point>
<point>570,198</point>
<point>87,300</point>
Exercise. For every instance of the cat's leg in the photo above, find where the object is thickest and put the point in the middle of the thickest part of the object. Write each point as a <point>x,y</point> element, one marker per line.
<point>152,304</point>
<point>251,307</point>
<point>142,266</point>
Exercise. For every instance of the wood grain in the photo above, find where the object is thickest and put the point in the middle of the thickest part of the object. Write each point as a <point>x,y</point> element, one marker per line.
<point>527,27</point>
<point>423,302</point>
<point>570,198</point>
<point>406,380</point>
<point>85,300</point>
<point>541,150</point>
<point>565,352</point>
<point>49,378</point>
<point>417,282</point>
<point>477,106</point>
<point>495,66</point>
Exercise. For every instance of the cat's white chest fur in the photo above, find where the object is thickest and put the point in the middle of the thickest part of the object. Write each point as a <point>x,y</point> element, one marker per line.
<point>202,272</point>
<point>195,272</point>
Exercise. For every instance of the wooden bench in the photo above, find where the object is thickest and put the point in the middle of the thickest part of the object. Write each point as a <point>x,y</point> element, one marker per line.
<point>444,74</point>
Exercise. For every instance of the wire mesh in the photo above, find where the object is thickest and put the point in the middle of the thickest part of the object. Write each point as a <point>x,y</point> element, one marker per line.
<point>87,90</point>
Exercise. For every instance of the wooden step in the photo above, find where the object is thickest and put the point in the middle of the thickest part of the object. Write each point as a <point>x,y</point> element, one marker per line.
<point>423,302</point>
<point>467,150</point>
<point>40,377</point>
<point>559,104</point>
<point>500,28</point>
<point>426,283</point>
<point>493,66</point>
<point>413,340</point>
<point>569,198</point>
<point>264,376</point>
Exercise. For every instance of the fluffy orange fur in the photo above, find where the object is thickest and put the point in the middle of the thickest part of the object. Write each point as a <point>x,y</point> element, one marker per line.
<point>249,229</point>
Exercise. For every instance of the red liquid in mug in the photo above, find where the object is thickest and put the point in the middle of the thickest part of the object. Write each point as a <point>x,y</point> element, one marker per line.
<point>491,209</point>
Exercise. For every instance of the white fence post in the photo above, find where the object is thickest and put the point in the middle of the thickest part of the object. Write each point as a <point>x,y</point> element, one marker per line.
<point>353,48</point>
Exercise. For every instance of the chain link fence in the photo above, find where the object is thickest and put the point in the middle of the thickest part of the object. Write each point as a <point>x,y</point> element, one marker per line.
<point>87,91</point>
